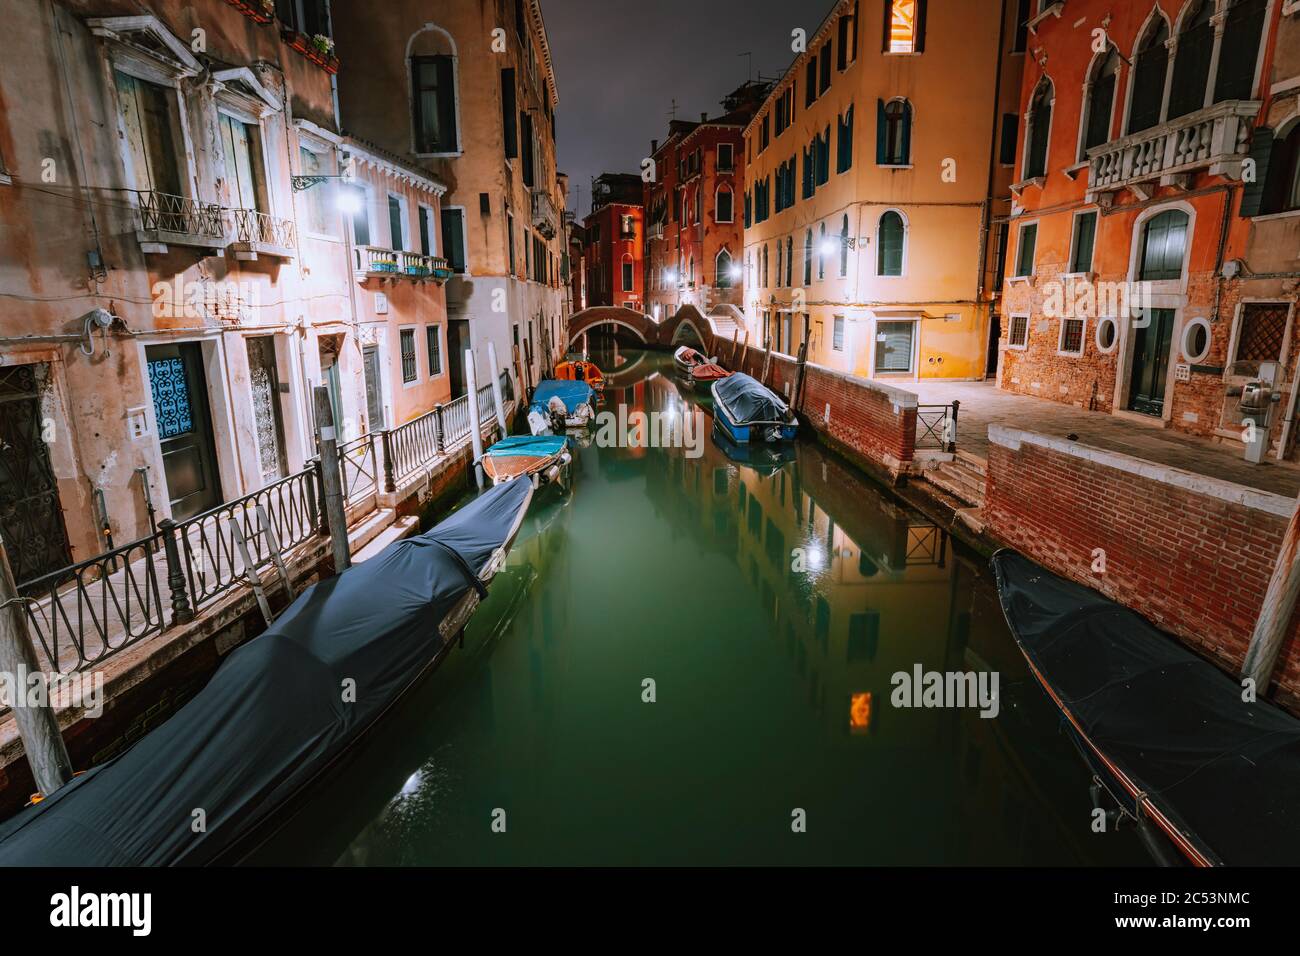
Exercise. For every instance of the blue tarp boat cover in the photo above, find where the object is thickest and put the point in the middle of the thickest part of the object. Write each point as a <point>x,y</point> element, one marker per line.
<point>748,401</point>
<point>540,445</point>
<point>572,394</point>
<point>1223,771</point>
<point>275,713</point>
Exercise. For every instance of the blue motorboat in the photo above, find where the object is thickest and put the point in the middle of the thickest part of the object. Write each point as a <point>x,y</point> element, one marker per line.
<point>751,412</point>
<point>559,404</point>
<point>537,457</point>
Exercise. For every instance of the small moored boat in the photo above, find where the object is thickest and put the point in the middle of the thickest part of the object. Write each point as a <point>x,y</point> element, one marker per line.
<point>687,358</point>
<point>252,746</point>
<point>581,370</point>
<point>750,411</point>
<point>541,457</point>
<point>558,404</point>
<point>703,376</point>
<point>1164,732</point>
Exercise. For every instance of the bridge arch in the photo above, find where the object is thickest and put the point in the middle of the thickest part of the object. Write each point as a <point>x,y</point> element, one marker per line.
<point>637,323</point>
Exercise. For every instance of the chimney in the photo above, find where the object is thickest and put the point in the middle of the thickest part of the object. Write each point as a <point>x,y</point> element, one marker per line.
<point>704,117</point>
<point>654,146</point>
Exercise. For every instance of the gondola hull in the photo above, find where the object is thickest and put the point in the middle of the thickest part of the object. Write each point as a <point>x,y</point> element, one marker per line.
<point>531,456</point>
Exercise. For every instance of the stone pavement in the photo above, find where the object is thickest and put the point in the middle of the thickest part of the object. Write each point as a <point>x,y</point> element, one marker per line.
<point>982,404</point>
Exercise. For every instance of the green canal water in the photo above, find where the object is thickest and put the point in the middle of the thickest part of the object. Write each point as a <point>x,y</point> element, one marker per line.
<point>770,605</point>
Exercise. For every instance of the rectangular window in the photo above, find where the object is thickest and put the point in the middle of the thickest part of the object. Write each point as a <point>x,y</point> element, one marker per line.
<point>904,25</point>
<point>810,81</point>
<point>894,346</point>
<point>315,164</point>
<point>508,113</point>
<point>1018,332</point>
<point>453,238</point>
<point>723,212</point>
<point>396,226</point>
<point>152,131</point>
<point>510,240</point>
<point>426,231</point>
<point>764,132</point>
<point>1071,342</point>
<point>627,277</point>
<point>1007,145</point>
<point>407,339</point>
<point>433,342</point>
<point>433,98</point>
<point>1022,26</point>
<point>527,147</point>
<point>360,215</point>
<point>726,157</point>
<point>1263,327</point>
<point>844,142</point>
<point>241,142</point>
<point>1025,250</point>
<point>1085,228</point>
<point>837,333</point>
<point>824,68</point>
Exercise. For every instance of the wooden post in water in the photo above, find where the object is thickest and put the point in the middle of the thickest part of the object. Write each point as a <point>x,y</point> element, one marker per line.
<point>767,362</point>
<point>735,342</point>
<point>336,517</point>
<point>798,379</point>
<point>744,351</point>
<point>1275,615</point>
<point>496,389</point>
<point>475,427</point>
<point>37,726</point>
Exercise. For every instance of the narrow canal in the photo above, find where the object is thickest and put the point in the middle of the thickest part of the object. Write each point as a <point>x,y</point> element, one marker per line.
<point>770,603</point>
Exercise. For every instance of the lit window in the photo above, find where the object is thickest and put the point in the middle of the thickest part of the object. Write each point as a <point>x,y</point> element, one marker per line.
<point>904,27</point>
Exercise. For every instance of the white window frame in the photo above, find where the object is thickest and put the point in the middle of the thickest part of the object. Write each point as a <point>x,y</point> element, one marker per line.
<point>433,227</point>
<point>1196,321</point>
<point>718,192</point>
<point>1074,222</point>
<point>414,330</point>
<point>464,236</point>
<point>1060,336</point>
<point>907,243</point>
<point>844,335</point>
<point>1011,324</point>
<point>1096,334</point>
<point>455,88</point>
<point>717,159</point>
<point>318,148</point>
<point>1033,264</point>
<point>404,214</point>
<point>442,348</point>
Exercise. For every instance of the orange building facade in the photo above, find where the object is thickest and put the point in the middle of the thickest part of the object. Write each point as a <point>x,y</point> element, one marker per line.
<point>1151,261</point>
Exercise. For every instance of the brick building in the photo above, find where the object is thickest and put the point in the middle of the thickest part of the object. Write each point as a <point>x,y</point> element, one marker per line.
<point>873,172</point>
<point>1138,126</point>
<point>614,251</point>
<point>695,232</point>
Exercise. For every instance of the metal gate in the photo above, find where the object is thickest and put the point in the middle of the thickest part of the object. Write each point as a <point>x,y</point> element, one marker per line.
<point>31,516</point>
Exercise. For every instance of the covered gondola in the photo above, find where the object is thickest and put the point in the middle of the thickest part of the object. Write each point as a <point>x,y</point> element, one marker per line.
<point>537,457</point>
<point>1165,733</point>
<point>224,772</point>
<point>703,376</point>
<point>750,411</point>
<point>557,405</point>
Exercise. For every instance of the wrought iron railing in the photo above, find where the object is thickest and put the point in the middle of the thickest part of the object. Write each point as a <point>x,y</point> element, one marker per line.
<point>181,216</point>
<point>936,426</point>
<point>257,227</point>
<point>410,445</point>
<point>359,468</point>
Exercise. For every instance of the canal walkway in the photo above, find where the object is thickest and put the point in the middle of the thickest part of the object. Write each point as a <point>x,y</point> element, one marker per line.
<point>984,404</point>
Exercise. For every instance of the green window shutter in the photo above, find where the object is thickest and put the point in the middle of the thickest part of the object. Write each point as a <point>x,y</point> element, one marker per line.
<point>907,132</point>
<point>1261,150</point>
<point>920,26</point>
<point>881,124</point>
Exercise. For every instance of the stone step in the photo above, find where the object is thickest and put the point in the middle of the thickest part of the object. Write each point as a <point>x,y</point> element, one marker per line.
<point>403,527</point>
<point>959,480</point>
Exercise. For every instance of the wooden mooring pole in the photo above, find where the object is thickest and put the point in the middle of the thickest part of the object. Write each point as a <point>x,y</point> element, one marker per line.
<point>1275,615</point>
<point>37,725</point>
<point>336,517</point>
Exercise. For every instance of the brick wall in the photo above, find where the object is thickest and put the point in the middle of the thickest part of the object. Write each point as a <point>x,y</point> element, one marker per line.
<point>874,425</point>
<point>1192,554</point>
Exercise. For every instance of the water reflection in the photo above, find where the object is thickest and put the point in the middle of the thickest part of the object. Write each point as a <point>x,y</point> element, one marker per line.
<point>769,602</point>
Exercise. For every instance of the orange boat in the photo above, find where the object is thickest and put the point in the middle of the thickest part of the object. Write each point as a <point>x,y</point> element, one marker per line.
<point>581,370</point>
<point>703,376</point>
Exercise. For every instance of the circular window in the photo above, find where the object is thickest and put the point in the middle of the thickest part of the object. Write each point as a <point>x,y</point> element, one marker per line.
<point>1196,340</point>
<point>1106,332</point>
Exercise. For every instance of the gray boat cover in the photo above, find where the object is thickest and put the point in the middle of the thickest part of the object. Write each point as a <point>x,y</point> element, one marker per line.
<point>1225,772</point>
<point>275,712</point>
<point>747,400</point>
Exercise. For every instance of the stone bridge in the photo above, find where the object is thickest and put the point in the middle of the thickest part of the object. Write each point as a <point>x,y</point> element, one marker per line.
<point>687,326</point>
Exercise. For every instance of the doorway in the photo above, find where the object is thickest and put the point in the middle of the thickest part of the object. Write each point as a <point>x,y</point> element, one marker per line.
<point>995,335</point>
<point>374,388</point>
<point>457,343</point>
<point>1150,363</point>
<point>179,388</point>
<point>264,384</point>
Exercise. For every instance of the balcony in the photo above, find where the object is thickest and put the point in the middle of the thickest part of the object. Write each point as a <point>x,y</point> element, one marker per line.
<point>545,219</point>
<point>1213,140</point>
<point>255,233</point>
<point>655,230</point>
<point>374,262</point>
<point>167,220</point>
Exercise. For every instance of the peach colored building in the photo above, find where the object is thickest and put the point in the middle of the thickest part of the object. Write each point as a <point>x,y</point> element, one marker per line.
<point>873,173</point>
<point>465,91</point>
<point>401,305</point>
<point>170,296</point>
<point>1158,158</point>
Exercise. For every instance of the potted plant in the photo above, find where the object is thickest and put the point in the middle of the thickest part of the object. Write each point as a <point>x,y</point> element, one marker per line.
<point>323,45</point>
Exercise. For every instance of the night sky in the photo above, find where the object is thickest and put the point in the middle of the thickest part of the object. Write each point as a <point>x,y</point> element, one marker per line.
<point>620,63</point>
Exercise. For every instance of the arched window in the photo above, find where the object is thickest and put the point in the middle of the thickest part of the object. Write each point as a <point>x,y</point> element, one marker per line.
<point>1239,50</point>
<point>1192,59</point>
<point>692,273</point>
<point>890,239</point>
<point>821,252</point>
<point>432,69</point>
<point>844,246</point>
<point>1100,100</point>
<point>1149,68</point>
<point>1038,125</point>
<point>893,133</point>
<point>1164,246</point>
<point>722,270</point>
<point>722,211</point>
<point>807,257</point>
<point>627,269</point>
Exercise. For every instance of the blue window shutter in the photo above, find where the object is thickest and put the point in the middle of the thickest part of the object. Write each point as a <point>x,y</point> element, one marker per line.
<point>920,26</point>
<point>907,132</point>
<point>881,159</point>
<point>1261,149</point>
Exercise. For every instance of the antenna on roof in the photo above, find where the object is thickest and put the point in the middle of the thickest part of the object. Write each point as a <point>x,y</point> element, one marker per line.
<point>672,113</point>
